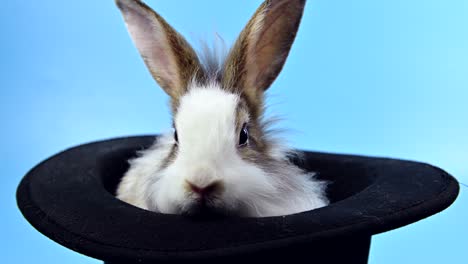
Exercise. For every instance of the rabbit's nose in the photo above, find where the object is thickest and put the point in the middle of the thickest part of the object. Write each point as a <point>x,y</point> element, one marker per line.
<point>209,189</point>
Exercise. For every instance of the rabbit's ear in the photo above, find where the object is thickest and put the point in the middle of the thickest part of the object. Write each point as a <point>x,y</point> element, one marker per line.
<point>170,59</point>
<point>259,53</point>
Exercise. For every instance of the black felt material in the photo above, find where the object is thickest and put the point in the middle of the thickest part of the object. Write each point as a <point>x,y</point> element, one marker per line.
<point>69,198</point>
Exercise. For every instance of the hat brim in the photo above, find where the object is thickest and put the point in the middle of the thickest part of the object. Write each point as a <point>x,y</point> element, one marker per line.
<point>69,198</point>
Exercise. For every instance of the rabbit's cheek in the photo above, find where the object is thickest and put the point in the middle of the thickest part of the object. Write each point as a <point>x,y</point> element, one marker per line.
<point>163,195</point>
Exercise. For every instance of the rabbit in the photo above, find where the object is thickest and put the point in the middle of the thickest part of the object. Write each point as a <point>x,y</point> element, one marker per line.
<point>220,156</point>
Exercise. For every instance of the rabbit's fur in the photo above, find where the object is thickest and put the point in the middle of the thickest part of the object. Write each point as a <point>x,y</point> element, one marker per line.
<point>222,157</point>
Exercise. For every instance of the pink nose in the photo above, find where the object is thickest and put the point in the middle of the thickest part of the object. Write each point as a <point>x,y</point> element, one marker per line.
<point>207,190</point>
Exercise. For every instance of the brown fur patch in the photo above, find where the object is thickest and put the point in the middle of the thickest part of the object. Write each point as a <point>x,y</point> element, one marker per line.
<point>258,145</point>
<point>170,158</point>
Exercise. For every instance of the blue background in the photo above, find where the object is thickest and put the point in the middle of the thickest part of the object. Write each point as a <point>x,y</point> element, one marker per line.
<point>381,78</point>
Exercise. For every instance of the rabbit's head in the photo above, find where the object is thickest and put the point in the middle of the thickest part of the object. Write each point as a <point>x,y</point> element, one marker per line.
<point>220,156</point>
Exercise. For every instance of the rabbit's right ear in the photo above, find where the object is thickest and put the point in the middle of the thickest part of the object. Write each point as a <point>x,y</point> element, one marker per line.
<point>170,59</point>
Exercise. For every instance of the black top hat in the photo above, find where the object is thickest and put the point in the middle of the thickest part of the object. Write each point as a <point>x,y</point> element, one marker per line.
<point>70,198</point>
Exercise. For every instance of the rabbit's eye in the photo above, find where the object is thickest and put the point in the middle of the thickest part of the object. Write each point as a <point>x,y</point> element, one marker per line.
<point>244,136</point>
<point>176,138</point>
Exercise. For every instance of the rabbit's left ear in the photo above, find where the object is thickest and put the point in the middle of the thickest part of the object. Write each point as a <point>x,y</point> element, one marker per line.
<point>170,59</point>
<point>261,50</point>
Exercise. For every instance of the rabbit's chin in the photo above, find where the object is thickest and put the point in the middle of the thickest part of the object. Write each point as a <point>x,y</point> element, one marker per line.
<point>169,200</point>
<point>198,207</point>
<point>202,208</point>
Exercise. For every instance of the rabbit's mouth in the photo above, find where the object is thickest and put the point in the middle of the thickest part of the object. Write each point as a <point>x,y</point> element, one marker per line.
<point>204,208</point>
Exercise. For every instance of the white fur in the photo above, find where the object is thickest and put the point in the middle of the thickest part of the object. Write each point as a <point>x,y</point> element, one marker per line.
<point>207,152</point>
